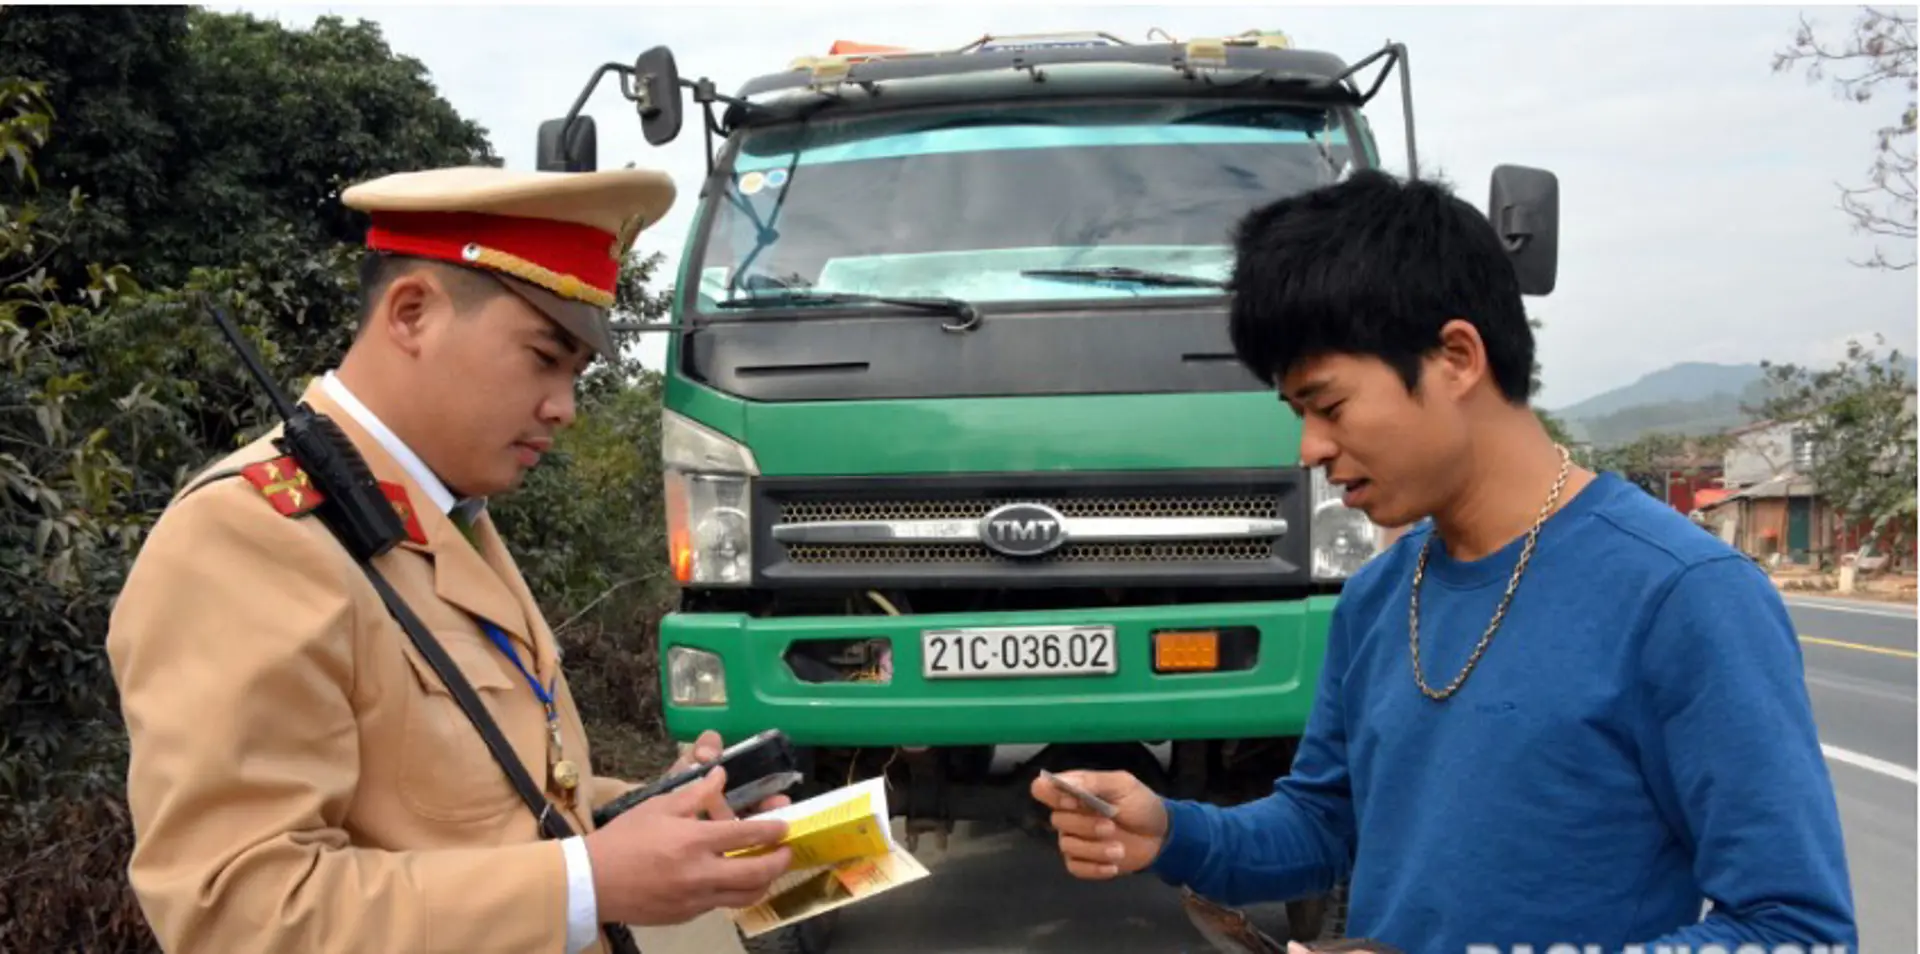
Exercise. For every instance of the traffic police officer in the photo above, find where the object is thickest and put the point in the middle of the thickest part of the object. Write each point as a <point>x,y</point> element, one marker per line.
<point>300,778</point>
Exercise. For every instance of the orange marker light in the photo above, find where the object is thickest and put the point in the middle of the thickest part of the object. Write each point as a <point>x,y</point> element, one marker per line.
<point>681,557</point>
<point>1186,651</point>
<point>679,535</point>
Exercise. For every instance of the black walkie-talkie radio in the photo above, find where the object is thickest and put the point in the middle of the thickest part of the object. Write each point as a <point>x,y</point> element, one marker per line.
<point>353,507</point>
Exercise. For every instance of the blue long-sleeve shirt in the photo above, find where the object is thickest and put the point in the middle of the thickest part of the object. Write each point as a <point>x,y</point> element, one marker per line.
<point>1636,740</point>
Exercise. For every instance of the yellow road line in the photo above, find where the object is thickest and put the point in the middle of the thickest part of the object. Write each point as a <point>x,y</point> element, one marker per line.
<point>1902,653</point>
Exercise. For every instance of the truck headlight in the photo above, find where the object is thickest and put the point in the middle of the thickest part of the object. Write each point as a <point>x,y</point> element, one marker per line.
<point>709,503</point>
<point>695,677</point>
<point>1343,539</point>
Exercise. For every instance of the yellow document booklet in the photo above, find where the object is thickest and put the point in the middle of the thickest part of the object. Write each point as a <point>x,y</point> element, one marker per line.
<point>843,852</point>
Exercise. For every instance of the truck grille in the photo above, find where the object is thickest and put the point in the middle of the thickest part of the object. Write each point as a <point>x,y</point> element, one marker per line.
<point>1241,505</point>
<point>1183,505</point>
<point>1227,528</point>
<point>868,554</point>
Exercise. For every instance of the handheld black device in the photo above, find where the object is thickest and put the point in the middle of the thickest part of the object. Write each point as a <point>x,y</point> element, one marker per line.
<point>757,768</point>
<point>366,524</point>
<point>354,509</point>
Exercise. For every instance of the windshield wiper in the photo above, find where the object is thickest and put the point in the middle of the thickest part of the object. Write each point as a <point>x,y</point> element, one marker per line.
<point>964,310</point>
<point>1121,273</point>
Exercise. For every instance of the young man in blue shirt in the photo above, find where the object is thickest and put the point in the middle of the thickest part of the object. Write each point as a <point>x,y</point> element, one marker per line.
<point>1553,712</point>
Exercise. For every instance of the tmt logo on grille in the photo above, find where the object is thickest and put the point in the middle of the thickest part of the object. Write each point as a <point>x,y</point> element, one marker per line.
<point>1023,530</point>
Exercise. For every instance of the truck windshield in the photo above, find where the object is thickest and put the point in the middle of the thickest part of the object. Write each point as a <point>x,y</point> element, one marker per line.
<point>1010,202</point>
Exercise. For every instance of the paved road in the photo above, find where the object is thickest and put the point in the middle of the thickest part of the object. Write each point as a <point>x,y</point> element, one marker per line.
<point>1860,674</point>
<point>1004,891</point>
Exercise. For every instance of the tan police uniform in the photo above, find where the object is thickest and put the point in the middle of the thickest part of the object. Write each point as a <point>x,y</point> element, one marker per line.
<point>300,779</point>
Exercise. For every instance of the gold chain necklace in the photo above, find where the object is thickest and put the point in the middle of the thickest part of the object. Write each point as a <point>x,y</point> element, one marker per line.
<point>1513,583</point>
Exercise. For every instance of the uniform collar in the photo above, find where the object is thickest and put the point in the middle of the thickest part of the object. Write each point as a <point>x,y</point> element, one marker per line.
<point>436,489</point>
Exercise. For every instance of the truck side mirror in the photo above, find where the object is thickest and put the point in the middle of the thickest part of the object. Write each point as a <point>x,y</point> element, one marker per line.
<point>579,154</point>
<point>656,82</point>
<point>1524,207</point>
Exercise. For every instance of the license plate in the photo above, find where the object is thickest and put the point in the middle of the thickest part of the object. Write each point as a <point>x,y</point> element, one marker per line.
<point>1018,651</point>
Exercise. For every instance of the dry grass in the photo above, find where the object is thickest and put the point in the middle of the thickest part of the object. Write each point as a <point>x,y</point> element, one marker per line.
<point>613,668</point>
<point>63,884</point>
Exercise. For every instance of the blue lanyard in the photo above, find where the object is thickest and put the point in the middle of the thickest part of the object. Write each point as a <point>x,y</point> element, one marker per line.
<point>500,639</point>
<point>563,772</point>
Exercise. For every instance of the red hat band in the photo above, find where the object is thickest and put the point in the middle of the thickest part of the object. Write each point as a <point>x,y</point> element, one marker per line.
<point>571,260</point>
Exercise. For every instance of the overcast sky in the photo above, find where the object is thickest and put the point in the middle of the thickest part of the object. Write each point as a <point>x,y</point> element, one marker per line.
<point>1698,202</point>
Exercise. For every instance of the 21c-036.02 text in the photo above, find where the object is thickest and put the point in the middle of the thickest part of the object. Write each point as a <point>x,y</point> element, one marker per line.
<point>1019,651</point>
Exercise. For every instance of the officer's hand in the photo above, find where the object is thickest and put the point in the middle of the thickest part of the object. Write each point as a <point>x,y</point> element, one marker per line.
<point>1097,848</point>
<point>706,748</point>
<point>662,863</point>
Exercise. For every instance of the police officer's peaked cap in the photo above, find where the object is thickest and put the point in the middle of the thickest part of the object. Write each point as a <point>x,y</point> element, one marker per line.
<point>555,238</point>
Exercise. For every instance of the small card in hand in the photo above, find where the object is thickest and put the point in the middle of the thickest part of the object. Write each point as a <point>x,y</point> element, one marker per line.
<point>1093,802</point>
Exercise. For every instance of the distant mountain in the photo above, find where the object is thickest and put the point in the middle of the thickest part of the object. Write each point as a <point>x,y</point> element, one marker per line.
<point>1690,398</point>
<point>1688,381</point>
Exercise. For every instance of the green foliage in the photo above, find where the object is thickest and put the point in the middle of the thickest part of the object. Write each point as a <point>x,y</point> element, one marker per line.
<point>64,533</point>
<point>220,143</point>
<point>112,76</point>
<point>63,486</point>
<point>201,136</point>
<point>159,156</point>
<point>103,410</point>
<point>1858,420</point>
<point>1661,453</point>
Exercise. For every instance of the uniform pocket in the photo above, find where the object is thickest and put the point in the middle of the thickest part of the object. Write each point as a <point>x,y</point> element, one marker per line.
<point>446,772</point>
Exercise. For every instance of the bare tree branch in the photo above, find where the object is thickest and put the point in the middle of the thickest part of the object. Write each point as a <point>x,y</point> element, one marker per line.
<point>609,591</point>
<point>1878,53</point>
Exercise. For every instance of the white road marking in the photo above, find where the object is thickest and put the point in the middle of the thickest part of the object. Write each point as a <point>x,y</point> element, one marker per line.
<point>1863,687</point>
<point>1860,647</point>
<point>1871,764</point>
<point>1891,610</point>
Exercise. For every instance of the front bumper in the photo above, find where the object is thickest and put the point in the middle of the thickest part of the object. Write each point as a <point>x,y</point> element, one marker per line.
<point>1272,697</point>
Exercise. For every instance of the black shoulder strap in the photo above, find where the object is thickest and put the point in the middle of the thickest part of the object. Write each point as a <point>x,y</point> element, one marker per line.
<point>553,824</point>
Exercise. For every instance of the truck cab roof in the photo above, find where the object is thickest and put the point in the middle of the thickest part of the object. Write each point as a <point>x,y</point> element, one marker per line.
<point>1069,66</point>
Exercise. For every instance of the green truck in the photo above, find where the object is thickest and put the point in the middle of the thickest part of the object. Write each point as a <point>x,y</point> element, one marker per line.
<point>962,478</point>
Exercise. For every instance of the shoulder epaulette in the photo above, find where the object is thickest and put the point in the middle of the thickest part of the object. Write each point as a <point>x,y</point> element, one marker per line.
<point>397,495</point>
<point>284,484</point>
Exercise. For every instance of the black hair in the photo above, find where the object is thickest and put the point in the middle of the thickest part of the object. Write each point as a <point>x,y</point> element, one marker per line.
<point>379,269</point>
<point>1374,266</point>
